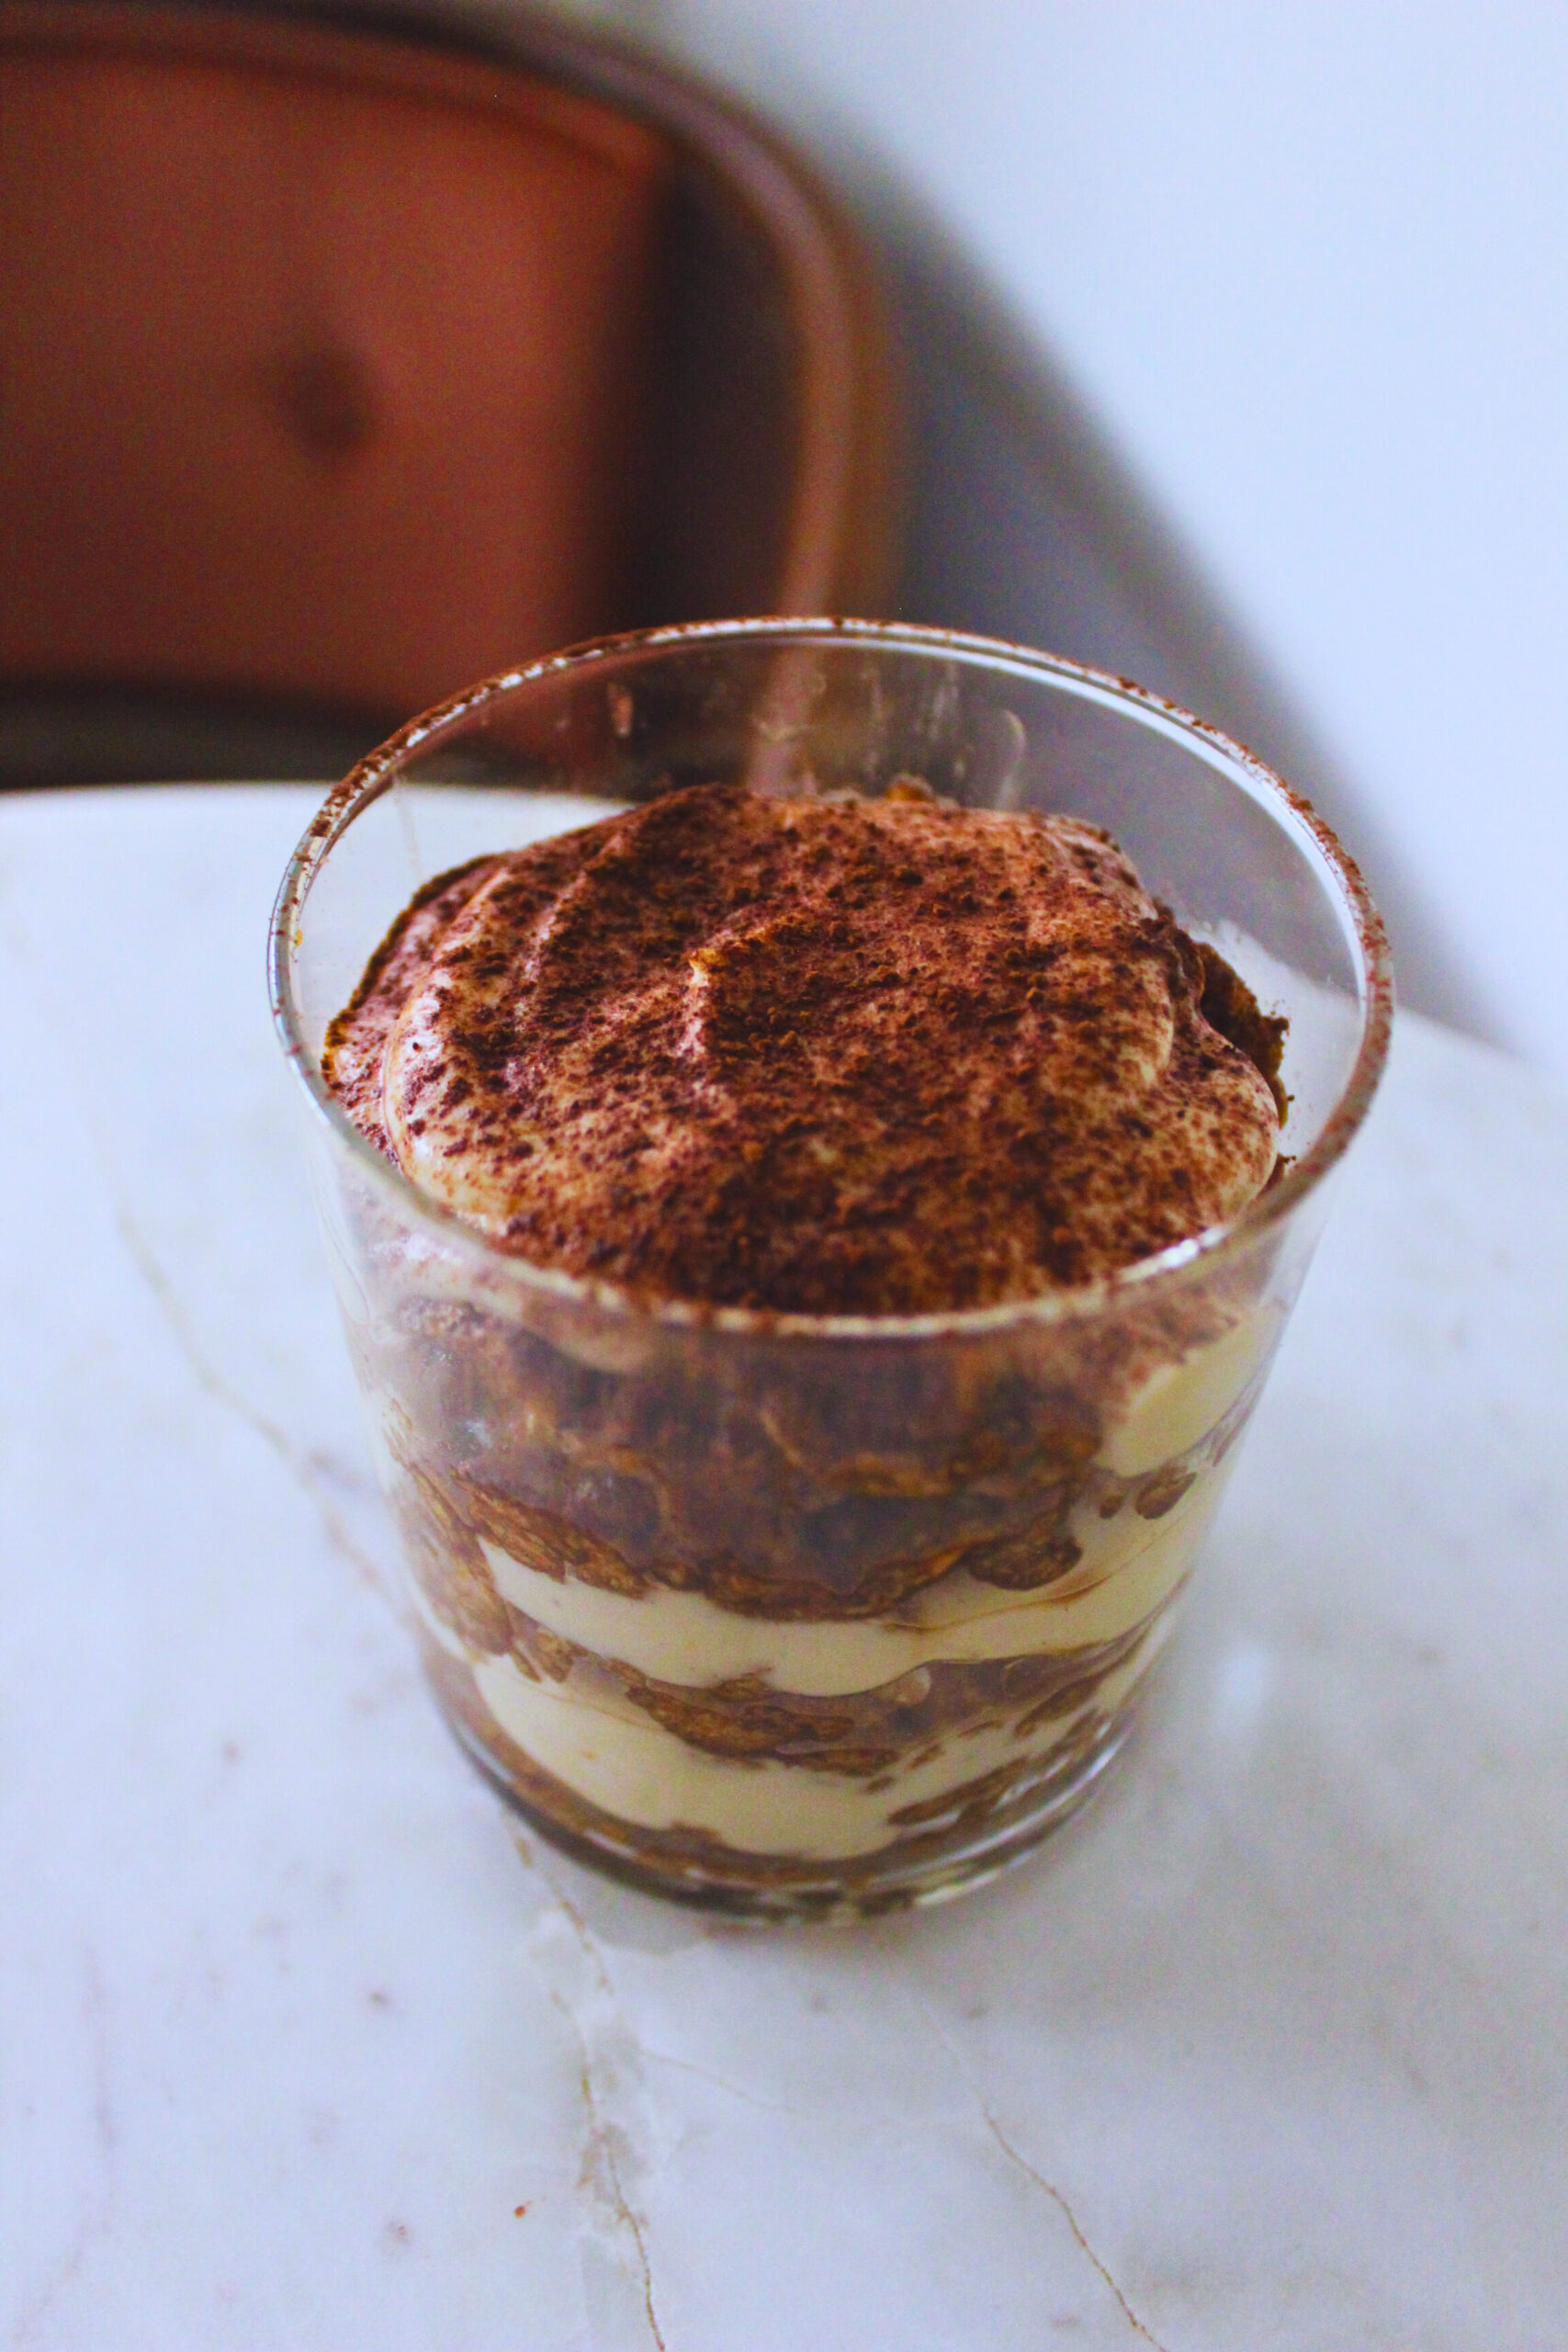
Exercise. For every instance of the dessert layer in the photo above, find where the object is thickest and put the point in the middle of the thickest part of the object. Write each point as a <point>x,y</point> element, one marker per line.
<point>685,1639</point>
<point>630,1766</point>
<point>838,1056</point>
<point>863,1735</point>
<point>789,1610</point>
<point>695,1858</point>
<point>1181,1401</point>
<point>658,1485</point>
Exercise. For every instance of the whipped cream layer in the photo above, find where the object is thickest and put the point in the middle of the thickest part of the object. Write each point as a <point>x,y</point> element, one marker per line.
<point>835,1056</point>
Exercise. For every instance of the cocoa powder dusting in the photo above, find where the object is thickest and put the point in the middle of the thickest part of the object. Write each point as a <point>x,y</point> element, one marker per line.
<point>836,1055</point>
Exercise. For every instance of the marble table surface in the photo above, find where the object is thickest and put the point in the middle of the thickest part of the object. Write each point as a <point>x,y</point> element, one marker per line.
<point>302,2045</point>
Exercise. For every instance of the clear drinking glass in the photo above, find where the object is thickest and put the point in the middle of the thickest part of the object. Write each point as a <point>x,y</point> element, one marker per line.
<point>787,1615</point>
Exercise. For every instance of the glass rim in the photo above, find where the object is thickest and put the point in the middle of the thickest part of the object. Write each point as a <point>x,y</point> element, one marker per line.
<point>1268,1211</point>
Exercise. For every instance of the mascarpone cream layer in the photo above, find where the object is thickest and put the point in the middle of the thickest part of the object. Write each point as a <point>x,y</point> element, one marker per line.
<point>1181,1403</point>
<point>634,1769</point>
<point>684,1638</point>
<point>1129,1566</point>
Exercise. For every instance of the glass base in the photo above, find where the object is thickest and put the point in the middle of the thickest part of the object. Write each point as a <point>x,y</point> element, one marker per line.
<point>843,1894</point>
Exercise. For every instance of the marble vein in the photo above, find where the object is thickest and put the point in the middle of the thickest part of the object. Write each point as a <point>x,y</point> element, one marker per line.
<point>610,2060</point>
<point>302,1467</point>
<point>95,2215</point>
<point>599,2176</point>
<point>1022,2164</point>
<point>1071,2219</point>
<point>731,2090</point>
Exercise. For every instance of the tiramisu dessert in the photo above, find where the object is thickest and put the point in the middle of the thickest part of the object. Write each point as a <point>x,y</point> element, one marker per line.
<point>727,1595</point>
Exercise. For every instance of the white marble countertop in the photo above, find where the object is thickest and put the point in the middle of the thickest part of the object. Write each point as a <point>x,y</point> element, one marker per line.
<point>302,2046</point>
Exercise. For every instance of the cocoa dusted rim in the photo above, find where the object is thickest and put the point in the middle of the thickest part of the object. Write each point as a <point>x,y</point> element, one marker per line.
<point>376,774</point>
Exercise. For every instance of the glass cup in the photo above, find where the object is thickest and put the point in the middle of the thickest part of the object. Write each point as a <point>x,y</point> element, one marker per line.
<point>785,1615</point>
